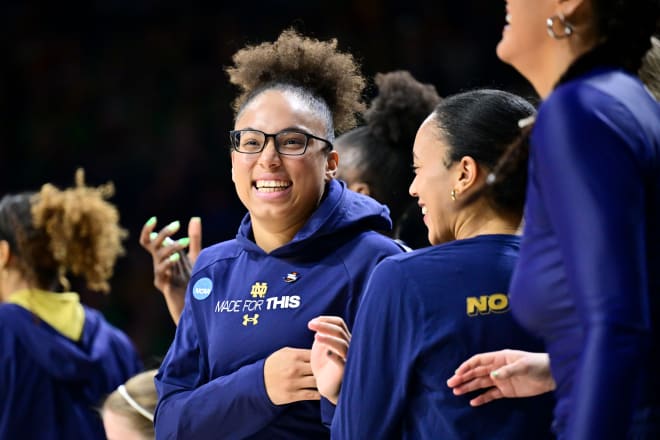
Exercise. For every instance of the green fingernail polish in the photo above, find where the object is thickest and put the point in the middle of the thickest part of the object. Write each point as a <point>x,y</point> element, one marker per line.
<point>151,221</point>
<point>494,374</point>
<point>185,241</point>
<point>168,241</point>
<point>175,257</point>
<point>153,236</point>
<point>196,219</point>
<point>174,226</point>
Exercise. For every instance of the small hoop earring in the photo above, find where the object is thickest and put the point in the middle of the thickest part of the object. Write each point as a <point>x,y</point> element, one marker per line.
<point>564,24</point>
<point>453,195</point>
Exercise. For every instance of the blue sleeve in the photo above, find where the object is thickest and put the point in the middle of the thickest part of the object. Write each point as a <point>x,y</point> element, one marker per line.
<point>191,406</point>
<point>327,412</point>
<point>359,269</point>
<point>592,187</point>
<point>380,359</point>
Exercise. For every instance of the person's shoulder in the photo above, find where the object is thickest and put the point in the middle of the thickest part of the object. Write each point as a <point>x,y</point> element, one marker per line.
<point>12,315</point>
<point>376,240</point>
<point>607,108</point>
<point>220,251</point>
<point>411,264</point>
<point>96,323</point>
<point>449,254</point>
<point>603,91</point>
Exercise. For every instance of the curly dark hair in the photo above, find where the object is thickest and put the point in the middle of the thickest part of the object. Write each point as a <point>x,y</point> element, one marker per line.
<point>400,108</point>
<point>54,232</point>
<point>627,26</point>
<point>315,67</point>
<point>381,149</point>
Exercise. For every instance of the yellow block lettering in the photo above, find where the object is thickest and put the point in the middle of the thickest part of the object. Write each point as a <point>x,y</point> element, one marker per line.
<point>477,305</point>
<point>485,304</point>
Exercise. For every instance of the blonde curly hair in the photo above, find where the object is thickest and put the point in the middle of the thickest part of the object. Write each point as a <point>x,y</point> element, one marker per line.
<point>55,232</point>
<point>315,67</point>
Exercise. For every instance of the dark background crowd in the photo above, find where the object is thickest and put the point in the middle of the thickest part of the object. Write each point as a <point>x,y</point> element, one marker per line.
<point>134,91</point>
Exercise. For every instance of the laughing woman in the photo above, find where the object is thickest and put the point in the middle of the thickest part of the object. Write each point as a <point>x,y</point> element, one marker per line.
<point>239,366</point>
<point>588,278</point>
<point>424,311</point>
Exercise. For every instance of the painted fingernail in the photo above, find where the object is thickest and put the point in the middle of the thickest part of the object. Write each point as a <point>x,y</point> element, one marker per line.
<point>168,241</point>
<point>196,219</point>
<point>175,257</point>
<point>151,221</point>
<point>185,241</point>
<point>174,226</point>
<point>153,236</point>
<point>494,374</point>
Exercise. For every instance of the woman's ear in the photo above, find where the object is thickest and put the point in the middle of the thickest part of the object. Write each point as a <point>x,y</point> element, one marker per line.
<point>331,165</point>
<point>568,7</point>
<point>579,13</point>
<point>468,174</point>
<point>5,253</point>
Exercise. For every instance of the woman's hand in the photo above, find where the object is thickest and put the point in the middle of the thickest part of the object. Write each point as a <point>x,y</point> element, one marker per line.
<point>288,376</point>
<point>329,354</point>
<point>172,267</point>
<point>506,373</point>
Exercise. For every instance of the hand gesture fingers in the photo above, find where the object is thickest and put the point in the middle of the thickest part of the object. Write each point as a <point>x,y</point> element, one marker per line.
<point>288,376</point>
<point>508,373</point>
<point>195,234</point>
<point>333,333</point>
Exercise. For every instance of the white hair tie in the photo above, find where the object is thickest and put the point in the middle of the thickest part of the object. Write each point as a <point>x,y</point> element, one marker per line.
<point>136,406</point>
<point>526,121</point>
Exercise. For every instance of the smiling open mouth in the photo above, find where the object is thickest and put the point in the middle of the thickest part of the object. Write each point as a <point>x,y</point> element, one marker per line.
<point>271,185</point>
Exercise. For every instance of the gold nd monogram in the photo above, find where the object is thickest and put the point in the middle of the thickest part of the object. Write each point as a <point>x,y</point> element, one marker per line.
<point>259,290</point>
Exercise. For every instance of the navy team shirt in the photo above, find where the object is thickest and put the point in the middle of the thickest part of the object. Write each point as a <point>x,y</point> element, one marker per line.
<point>422,315</point>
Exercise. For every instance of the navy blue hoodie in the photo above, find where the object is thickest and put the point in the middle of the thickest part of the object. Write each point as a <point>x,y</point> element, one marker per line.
<point>243,304</point>
<point>51,386</point>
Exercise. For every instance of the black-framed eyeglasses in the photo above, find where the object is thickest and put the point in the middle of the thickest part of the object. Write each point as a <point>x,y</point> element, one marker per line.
<point>287,143</point>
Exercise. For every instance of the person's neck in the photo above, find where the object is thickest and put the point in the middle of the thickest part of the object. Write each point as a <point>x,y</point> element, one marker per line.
<point>13,283</point>
<point>272,237</point>
<point>485,222</point>
<point>545,76</point>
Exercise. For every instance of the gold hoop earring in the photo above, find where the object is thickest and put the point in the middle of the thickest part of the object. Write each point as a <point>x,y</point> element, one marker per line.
<point>453,195</point>
<point>564,24</point>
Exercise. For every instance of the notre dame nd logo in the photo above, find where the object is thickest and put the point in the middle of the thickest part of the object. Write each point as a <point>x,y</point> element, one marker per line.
<point>485,304</point>
<point>259,290</point>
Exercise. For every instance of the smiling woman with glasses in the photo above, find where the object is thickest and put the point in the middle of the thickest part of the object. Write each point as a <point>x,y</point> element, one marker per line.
<point>239,365</point>
<point>288,143</point>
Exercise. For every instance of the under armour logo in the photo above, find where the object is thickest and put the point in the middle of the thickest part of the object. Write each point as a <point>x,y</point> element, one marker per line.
<point>254,320</point>
<point>259,290</point>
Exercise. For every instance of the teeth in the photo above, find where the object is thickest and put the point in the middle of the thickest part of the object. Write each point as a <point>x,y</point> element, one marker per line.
<point>424,210</point>
<point>271,185</point>
<point>270,190</point>
<point>508,18</point>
